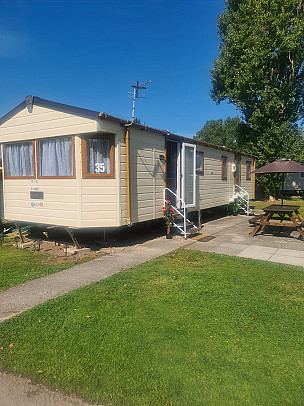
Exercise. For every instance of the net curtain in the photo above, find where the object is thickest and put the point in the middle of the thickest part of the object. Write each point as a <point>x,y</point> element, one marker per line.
<point>98,153</point>
<point>55,157</point>
<point>19,159</point>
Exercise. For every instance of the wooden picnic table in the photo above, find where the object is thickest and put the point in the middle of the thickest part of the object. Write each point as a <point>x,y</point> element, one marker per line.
<point>279,216</point>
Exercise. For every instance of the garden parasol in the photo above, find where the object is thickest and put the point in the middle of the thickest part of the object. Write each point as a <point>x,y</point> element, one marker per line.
<point>282,166</point>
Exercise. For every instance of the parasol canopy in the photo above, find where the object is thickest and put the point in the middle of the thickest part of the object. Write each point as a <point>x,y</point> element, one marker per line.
<point>283,166</point>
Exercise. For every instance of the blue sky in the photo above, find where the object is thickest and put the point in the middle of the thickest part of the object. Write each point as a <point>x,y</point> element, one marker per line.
<point>85,53</point>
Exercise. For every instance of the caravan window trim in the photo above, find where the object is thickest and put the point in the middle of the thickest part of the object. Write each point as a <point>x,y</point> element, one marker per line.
<point>73,176</point>
<point>85,173</point>
<point>224,167</point>
<point>200,162</point>
<point>34,161</point>
<point>248,170</point>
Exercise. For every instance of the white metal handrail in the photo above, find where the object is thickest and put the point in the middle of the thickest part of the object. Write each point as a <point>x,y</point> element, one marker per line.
<point>240,189</point>
<point>243,196</point>
<point>183,204</point>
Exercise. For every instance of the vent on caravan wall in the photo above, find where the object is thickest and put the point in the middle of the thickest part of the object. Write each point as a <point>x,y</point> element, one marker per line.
<point>29,103</point>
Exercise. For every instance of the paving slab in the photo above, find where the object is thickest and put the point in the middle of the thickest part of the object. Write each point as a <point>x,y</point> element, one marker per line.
<point>257,252</point>
<point>290,253</point>
<point>232,238</point>
<point>238,239</point>
<point>20,391</point>
<point>234,246</point>
<point>283,259</point>
<point>225,250</point>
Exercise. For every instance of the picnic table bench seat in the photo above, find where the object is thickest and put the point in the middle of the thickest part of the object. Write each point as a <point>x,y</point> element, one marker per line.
<point>254,219</point>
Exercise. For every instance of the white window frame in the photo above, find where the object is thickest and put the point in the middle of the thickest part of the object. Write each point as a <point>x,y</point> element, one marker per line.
<point>184,146</point>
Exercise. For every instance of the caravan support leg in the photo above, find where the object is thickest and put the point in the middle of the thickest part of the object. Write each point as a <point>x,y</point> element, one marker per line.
<point>199,219</point>
<point>72,235</point>
<point>20,233</point>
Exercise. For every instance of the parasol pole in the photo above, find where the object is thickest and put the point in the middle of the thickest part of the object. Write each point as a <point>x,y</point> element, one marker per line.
<point>283,177</point>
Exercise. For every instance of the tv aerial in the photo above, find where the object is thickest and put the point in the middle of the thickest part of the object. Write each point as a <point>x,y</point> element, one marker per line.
<point>137,93</point>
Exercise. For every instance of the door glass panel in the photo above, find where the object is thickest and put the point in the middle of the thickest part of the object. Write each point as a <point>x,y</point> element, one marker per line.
<point>238,172</point>
<point>171,166</point>
<point>189,175</point>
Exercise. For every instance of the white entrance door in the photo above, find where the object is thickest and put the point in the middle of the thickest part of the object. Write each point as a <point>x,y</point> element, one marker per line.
<point>189,174</point>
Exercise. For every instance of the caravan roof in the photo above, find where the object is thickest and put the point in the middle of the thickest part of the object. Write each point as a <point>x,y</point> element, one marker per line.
<point>79,111</point>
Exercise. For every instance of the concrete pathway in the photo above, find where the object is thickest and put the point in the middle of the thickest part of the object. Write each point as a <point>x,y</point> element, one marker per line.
<point>20,391</point>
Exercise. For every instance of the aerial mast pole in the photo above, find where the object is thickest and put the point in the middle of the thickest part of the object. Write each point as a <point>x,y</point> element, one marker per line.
<point>137,94</point>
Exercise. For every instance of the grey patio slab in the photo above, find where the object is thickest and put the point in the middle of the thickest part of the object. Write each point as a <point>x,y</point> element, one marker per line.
<point>283,259</point>
<point>226,250</point>
<point>21,391</point>
<point>257,252</point>
<point>239,239</point>
<point>218,249</point>
<point>235,246</point>
<point>290,253</point>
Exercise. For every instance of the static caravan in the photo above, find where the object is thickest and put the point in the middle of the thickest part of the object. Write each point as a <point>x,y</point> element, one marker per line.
<point>78,168</point>
<point>294,182</point>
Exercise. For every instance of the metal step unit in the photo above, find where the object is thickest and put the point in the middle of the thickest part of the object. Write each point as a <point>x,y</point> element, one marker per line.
<point>181,224</point>
<point>242,197</point>
<point>190,227</point>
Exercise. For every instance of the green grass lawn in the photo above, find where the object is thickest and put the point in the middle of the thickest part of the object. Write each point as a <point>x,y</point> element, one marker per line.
<point>292,201</point>
<point>20,265</point>
<point>190,328</point>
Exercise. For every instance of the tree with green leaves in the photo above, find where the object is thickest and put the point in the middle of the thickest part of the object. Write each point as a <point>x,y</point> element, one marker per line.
<point>260,69</point>
<point>231,133</point>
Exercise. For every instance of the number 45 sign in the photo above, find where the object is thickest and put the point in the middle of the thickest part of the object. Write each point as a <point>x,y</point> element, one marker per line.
<point>100,167</point>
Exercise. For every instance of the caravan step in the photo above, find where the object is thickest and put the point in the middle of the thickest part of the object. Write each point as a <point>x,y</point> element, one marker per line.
<point>181,223</point>
<point>193,230</point>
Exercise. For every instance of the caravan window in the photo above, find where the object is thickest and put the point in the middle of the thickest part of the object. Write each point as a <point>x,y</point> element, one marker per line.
<point>248,170</point>
<point>224,168</point>
<point>55,157</point>
<point>98,156</point>
<point>200,162</point>
<point>19,160</point>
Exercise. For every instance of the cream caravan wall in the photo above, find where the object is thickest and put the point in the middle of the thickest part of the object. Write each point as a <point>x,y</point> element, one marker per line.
<point>101,204</point>
<point>43,123</point>
<point>147,172</point>
<point>68,202</point>
<point>212,190</point>
<point>120,166</point>
<point>58,207</point>
<point>147,175</point>
<point>247,184</point>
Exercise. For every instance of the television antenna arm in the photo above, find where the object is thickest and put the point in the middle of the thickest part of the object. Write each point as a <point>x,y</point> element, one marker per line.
<point>137,95</point>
